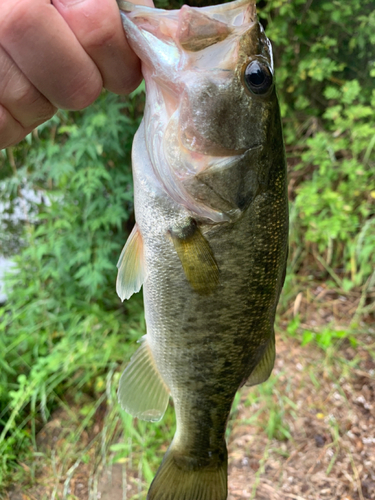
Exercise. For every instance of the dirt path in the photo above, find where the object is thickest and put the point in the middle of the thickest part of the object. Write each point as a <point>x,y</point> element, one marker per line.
<point>328,410</point>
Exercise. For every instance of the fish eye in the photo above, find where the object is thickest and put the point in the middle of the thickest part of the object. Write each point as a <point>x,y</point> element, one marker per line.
<point>257,77</point>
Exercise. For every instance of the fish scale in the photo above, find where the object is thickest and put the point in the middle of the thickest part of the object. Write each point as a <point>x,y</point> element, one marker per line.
<point>210,247</point>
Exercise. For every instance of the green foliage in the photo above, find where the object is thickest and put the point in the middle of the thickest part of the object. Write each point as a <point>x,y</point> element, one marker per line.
<point>142,442</point>
<point>62,325</point>
<point>336,206</point>
<point>325,337</point>
<point>325,78</point>
<point>272,409</point>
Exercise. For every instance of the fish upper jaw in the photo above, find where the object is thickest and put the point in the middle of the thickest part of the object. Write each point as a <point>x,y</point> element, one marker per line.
<point>191,61</point>
<point>170,42</point>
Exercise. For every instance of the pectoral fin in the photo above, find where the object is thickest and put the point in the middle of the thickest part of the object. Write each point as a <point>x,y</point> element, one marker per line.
<point>142,392</point>
<point>131,268</point>
<point>196,256</point>
<point>265,366</point>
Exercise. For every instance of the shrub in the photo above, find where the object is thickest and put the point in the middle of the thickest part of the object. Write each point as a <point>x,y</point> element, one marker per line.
<point>325,75</point>
<point>62,324</point>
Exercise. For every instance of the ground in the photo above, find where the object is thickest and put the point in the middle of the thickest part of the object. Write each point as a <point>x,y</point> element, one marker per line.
<point>327,416</point>
<point>308,433</point>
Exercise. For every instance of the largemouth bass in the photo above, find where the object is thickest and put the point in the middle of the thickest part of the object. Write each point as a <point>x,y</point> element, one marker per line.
<point>210,241</point>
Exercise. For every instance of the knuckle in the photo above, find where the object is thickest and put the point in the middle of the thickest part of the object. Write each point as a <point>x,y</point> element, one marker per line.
<point>103,36</point>
<point>42,114</point>
<point>81,94</point>
<point>26,95</point>
<point>11,131</point>
<point>126,85</point>
<point>26,104</point>
<point>41,108</point>
<point>22,14</point>
<point>47,111</point>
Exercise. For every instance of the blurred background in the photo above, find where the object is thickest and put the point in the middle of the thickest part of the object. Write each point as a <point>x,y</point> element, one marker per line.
<point>65,212</point>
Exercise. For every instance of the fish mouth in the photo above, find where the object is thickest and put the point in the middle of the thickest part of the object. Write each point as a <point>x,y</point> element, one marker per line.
<point>197,162</point>
<point>199,145</point>
<point>228,160</point>
<point>222,152</point>
<point>236,152</point>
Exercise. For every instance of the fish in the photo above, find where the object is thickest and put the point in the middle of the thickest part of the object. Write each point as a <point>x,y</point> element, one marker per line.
<point>210,241</point>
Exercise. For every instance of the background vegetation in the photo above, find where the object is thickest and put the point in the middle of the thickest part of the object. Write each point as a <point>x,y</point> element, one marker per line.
<point>64,336</point>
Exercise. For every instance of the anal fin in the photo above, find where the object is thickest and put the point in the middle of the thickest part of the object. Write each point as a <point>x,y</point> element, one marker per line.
<point>264,368</point>
<point>131,268</point>
<point>142,392</point>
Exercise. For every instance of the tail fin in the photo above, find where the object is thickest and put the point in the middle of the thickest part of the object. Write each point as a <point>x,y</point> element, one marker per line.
<point>177,481</point>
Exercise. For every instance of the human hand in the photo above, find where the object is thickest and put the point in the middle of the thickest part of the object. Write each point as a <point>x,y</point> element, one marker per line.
<point>59,54</point>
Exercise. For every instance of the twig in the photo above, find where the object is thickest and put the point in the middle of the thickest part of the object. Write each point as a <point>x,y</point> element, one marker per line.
<point>12,160</point>
<point>361,305</point>
<point>329,269</point>
<point>69,477</point>
<point>357,478</point>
